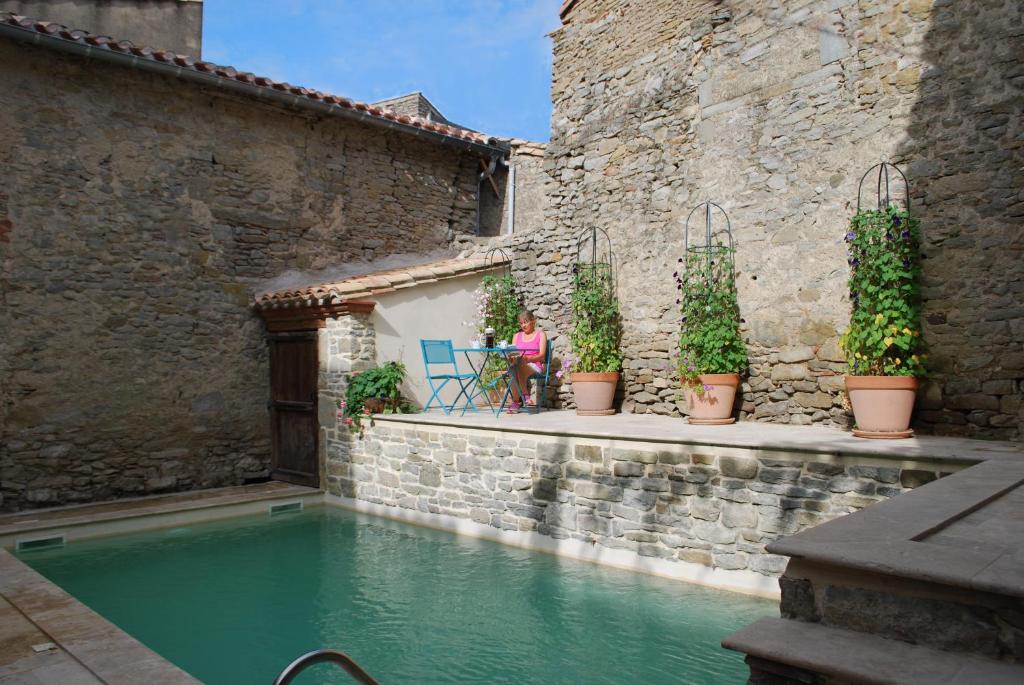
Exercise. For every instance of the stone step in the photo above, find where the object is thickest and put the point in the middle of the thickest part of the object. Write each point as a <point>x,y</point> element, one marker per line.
<point>781,651</point>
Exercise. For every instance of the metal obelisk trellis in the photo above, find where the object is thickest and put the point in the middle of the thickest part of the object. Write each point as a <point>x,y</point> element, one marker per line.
<point>499,255</point>
<point>602,261</point>
<point>883,185</point>
<point>712,243</point>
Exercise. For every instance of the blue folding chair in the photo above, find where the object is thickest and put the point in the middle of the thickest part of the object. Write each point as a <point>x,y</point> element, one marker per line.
<point>541,381</point>
<point>441,353</point>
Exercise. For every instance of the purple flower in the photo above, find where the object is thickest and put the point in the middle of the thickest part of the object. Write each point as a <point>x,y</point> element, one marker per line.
<point>896,221</point>
<point>850,236</point>
<point>708,388</point>
<point>906,263</point>
<point>888,236</point>
<point>854,262</point>
<point>905,235</point>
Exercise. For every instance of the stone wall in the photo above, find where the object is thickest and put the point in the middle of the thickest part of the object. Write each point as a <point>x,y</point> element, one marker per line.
<point>774,110</point>
<point>347,345</point>
<point>164,24</point>
<point>527,158</point>
<point>139,213</point>
<point>712,506</point>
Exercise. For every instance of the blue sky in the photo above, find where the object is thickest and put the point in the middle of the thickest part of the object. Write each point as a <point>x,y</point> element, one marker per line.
<point>485,64</point>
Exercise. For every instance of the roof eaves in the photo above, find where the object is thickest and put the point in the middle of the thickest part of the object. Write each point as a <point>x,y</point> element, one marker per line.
<point>58,37</point>
<point>368,285</point>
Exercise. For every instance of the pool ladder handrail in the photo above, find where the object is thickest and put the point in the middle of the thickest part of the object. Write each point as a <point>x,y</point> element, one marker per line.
<point>319,656</point>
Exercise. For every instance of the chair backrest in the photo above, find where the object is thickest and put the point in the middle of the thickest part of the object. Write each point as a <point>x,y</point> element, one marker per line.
<point>547,362</point>
<point>437,352</point>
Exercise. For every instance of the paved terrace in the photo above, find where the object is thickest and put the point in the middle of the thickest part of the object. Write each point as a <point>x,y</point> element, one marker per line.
<point>745,434</point>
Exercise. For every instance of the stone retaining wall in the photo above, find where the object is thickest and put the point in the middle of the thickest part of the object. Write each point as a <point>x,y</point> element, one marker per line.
<point>715,507</point>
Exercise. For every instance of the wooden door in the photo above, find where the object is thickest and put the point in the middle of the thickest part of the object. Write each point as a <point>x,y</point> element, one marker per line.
<point>293,419</point>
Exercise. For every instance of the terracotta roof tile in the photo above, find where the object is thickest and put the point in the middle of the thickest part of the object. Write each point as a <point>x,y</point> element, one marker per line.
<point>59,32</point>
<point>367,285</point>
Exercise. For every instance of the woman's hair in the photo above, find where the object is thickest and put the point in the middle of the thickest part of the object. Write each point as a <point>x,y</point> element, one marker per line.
<point>526,314</point>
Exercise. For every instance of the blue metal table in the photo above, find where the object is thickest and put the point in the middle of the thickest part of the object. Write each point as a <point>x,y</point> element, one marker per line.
<point>478,358</point>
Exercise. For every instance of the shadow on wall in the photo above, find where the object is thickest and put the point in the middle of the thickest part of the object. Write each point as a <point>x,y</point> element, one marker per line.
<point>966,168</point>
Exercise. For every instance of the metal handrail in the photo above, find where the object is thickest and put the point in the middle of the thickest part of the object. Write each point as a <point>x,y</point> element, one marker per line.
<point>319,656</point>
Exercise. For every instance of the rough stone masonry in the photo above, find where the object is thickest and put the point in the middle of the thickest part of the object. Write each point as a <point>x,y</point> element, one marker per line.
<point>138,213</point>
<point>774,110</point>
<point>707,505</point>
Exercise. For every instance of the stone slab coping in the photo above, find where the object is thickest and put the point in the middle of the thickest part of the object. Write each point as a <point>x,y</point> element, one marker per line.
<point>743,434</point>
<point>904,536</point>
<point>87,647</point>
<point>84,514</point>
<point>856,657</point>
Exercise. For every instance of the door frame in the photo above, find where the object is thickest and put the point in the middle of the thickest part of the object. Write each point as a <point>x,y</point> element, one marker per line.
<point>277,472</point>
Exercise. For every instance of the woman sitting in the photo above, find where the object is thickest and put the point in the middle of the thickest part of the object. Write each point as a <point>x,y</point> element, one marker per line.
<point>531,349</point>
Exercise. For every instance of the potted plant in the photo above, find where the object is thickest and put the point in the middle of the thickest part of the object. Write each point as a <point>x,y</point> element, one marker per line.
<point>374,391</point>
<point>883,345</point>
<point>596,330</point>
<point>711,351</point>
<point>498,307</point>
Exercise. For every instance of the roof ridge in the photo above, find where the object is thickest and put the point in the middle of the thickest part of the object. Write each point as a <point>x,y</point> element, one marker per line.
<point>127,47</point>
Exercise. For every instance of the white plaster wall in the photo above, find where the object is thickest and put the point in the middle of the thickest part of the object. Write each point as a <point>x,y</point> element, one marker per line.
<point>433,311</point>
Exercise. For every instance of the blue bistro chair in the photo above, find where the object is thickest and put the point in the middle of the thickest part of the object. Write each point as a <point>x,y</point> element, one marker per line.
<point>540,381</point>
<point>440,353</point>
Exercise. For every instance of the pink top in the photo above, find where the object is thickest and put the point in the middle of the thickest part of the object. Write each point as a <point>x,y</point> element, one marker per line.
<point>529,346</point>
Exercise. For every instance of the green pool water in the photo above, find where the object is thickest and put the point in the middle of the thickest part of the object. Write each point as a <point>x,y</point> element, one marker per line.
<point>235,601</point>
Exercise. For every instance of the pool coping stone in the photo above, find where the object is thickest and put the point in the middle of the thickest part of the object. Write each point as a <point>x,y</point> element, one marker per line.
<point>850,656</point>
<point>742,434</point>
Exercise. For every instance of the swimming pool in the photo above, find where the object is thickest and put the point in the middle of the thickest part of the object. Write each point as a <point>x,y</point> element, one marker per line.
<point>235,601</point>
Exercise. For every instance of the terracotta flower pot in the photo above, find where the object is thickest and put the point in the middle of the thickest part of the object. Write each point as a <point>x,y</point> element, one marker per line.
<point>882,405</point>
<point>594,393</point>
<point>713,407</point>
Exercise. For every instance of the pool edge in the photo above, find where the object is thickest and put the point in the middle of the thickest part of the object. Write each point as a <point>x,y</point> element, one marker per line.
<point>742,582</point>
<point>81,633</point>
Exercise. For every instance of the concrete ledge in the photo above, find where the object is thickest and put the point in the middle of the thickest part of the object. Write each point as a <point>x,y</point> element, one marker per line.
<point>735,581</point>
<point>853,657</point>
<point>749,435</point>
<point>895,537</point>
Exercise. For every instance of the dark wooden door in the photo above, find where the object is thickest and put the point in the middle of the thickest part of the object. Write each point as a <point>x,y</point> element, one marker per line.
<point>293,421</point>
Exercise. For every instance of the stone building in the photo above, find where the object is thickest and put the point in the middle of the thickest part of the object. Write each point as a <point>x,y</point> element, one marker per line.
<point>145,197</point>
<point>148,195</point>
<point>774,110</point>
<point>414,105</point>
